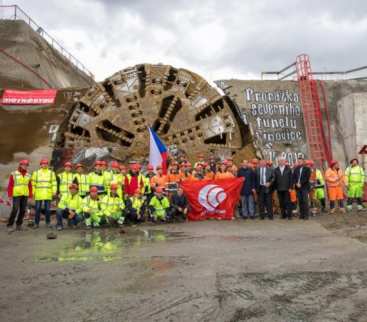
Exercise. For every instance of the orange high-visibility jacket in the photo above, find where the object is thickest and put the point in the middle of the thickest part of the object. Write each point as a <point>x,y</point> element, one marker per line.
<point>334,178</point>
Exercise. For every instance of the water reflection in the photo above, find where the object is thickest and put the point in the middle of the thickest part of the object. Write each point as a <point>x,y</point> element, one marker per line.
<point>106,245</point>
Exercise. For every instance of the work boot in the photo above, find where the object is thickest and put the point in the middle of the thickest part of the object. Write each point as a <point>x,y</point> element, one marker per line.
<point>360,208</point>
<point>342,210</point>
<point>349,208</point>
<point>36,226</point>
<point>59,228</point>
<point>332,211</point>
<point>19,228</point>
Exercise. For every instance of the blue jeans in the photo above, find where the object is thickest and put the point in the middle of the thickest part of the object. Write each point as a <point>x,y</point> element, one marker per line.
<point>47,205</point>
<point>247,206</point>
<point>64,213</point>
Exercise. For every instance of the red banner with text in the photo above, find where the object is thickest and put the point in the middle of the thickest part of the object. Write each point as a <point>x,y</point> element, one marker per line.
<point>31,97</point>
<point>212,198</point>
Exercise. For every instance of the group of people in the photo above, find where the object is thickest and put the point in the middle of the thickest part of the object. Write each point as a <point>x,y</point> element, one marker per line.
<point>115,194</point>
<point>110,195</point>
<point>302,184</point>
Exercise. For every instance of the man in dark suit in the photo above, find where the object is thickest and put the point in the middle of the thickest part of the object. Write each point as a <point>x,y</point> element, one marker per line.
<point>264,181</point>
<point>301,182</point>
<point>283,183</point>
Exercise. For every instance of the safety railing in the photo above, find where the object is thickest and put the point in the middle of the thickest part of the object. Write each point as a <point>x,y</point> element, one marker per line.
<point>289,73</point>
<point>14,12</point>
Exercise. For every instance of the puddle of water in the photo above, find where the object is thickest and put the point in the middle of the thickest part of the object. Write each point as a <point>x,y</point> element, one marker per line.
<point>105,246</point>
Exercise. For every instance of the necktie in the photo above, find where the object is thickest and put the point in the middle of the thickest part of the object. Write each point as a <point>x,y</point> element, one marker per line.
<point>300,174</point>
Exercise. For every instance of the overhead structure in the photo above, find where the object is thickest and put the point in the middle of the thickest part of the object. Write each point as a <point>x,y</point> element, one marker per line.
<point>179,105</point>
<point>315,112</point>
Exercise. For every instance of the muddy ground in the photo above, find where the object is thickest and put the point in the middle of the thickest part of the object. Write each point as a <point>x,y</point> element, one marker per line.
<point>203,271</point>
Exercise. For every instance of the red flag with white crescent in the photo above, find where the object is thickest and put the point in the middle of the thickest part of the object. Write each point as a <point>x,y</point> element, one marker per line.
<point>212,198</point>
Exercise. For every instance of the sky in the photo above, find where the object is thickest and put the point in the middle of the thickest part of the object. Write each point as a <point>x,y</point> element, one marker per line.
<point>216,39</point>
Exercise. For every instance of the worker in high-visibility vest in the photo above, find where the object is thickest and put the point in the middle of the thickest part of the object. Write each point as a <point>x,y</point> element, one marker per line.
<point>317,193</point>
<point>81,179</point>
<point>64,179</point>
<point>112,206</point>
<point>159,205</point>
<point>19,190</point>
<point>107,175</point>
<point>113,176</point>
<point>69,207</point>
<point>44,187</point>
<point>91,208</point>
<point>334,179</point>
<point>160,179</point>
<point>320,189</point>
<point>135,206</point>
<point>96,178</point>
<point>354,179</point>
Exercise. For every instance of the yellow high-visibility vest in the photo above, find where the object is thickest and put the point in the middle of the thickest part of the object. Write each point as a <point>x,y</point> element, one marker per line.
<point>21,184</point>
<point>44,184</point>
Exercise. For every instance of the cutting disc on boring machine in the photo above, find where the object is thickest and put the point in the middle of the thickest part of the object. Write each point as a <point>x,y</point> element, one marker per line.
<point>179,105</point>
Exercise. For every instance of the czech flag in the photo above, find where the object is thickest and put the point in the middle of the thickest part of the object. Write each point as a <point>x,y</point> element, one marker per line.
<point>157,152</point>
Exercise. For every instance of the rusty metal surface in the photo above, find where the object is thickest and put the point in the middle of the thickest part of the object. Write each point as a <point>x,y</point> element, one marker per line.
<point>178,104</point>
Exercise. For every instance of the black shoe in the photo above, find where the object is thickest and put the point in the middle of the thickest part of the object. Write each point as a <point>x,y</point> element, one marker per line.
<point>271,218</point>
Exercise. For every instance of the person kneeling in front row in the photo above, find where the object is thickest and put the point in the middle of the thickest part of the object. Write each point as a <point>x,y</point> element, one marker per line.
<point>69,207</point>
<point>180,205</point>
<point>92,211</point>
<point>159,206</point>
<point>113,206</point>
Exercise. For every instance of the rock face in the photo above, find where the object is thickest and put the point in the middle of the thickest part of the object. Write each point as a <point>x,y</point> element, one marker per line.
<point>183,109</point>
<point>27,61</point>
<point>273,111</point>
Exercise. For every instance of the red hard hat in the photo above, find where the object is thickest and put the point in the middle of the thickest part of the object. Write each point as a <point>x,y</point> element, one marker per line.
<point>114,186</point>
<point>333,162</point>
<point>73,186</point>
<point>67,164</point>
<point>43,161</point>
<point>93,189</point>
<point>103,162</point>
<point>158,167</point>
<point>150,167</point>
<point>309,162</point>
<point>79,165</point>
<point>122,167</point>
<point>134,166</point>
<point>98,162</point>
<point>159,190</point>
<point>115,165</point>
<point>24,162</point>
